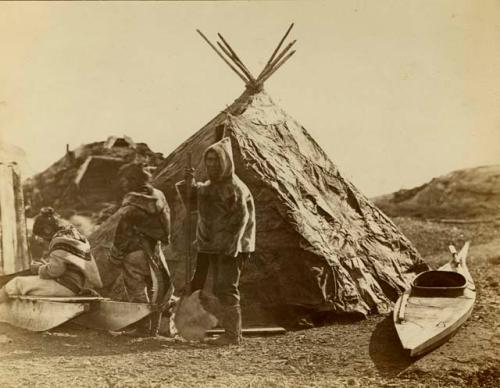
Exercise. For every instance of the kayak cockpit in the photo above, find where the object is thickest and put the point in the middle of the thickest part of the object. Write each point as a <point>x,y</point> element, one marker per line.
<point>439,284</point>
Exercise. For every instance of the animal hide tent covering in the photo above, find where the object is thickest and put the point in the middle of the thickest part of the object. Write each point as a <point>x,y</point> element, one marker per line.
<point>321,244</point>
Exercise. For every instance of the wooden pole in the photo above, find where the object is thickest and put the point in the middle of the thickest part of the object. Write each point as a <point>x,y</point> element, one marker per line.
<point>189,184</point>
<point>2,251</point>
<point>266,76</point>
<point>23,257</point>
<point>226,51</point>
<point>275,50</point>
<point>245,80</point>
<point>8,220</point>
<point>402,307</point>
<point>237,59</point>
<point>253,331</point>
<point>270,68</point>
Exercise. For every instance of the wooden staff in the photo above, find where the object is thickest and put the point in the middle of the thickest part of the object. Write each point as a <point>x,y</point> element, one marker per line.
<point>189,184</point>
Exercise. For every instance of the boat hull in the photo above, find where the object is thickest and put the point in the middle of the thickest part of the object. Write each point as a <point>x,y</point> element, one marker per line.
<point>424,321</point>
<point>112,315</point>
<point>44,313</point>
<point>40,314</point>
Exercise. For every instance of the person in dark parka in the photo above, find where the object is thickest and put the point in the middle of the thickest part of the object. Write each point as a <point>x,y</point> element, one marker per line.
<point>143,226</point>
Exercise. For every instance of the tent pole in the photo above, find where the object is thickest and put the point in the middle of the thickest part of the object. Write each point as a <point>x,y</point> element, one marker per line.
<point>237,59</point>
<point>240,65</point>
<point>245,80</point>
<point>276,60</point>
<point>276,50</point>
<point>270,73</point>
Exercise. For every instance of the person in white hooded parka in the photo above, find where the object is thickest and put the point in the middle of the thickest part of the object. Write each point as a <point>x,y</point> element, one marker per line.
<point>225,233</point>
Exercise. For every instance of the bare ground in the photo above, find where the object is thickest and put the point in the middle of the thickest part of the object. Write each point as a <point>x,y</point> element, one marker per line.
<point>344,353</point>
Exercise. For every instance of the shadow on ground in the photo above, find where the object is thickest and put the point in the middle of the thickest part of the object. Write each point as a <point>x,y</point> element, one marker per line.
<point>71,340</point>
<point>386,352</point>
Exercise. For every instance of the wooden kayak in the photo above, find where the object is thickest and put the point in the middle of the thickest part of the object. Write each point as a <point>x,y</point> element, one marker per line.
<point>112,315</point>
<point>435,306</point>
<point>42,313</point>
<point>38,313</point>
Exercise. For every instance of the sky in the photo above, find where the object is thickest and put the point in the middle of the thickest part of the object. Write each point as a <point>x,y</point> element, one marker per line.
<point>396,92</point>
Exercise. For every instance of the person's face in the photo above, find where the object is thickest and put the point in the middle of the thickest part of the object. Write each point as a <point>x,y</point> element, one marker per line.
<point>212,162</point>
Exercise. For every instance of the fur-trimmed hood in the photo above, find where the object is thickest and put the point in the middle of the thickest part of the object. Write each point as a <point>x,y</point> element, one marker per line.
<point>225,153</point>
<point>148,198</point>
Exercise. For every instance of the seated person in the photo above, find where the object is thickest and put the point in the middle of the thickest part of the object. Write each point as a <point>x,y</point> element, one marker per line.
<point>69,266</point>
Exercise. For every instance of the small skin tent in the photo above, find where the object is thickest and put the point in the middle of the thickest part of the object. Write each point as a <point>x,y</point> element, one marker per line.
<point>321,244</point>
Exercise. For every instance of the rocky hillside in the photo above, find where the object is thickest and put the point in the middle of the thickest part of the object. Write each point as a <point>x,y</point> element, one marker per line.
<point>463,194</point>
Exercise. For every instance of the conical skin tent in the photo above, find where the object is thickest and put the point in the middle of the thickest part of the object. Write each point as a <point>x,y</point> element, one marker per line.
<point>320,243</point>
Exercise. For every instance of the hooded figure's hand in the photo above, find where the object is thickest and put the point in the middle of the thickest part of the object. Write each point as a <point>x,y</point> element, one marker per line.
<point>189,175</point>
<point>232,251</point>
<point>34,267</point>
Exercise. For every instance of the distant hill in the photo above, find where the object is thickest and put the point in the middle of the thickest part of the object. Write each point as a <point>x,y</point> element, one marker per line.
<point>462,194</point>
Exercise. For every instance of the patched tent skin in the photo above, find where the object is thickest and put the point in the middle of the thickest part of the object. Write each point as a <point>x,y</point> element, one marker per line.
<point>320,243</point>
